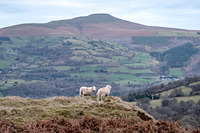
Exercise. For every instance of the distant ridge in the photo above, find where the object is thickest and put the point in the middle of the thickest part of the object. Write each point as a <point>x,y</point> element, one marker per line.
<point>94,26</point>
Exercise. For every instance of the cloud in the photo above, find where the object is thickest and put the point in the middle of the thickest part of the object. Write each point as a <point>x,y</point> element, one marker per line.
<point>58,3</point>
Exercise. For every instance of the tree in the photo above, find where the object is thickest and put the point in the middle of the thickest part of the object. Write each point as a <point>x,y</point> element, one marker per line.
<point>173,102</point>
<point>144,101</point>
<point>189,121</point>
<point>176,93</point>
<point>163,68</point>
<point>165,102</point>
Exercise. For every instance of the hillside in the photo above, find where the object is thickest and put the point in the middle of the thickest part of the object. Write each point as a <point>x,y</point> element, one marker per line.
<point>45,66</point>
<point>99,26</point>
<point>74,114</point>
<point>178,100</point>
<point>53,65</point>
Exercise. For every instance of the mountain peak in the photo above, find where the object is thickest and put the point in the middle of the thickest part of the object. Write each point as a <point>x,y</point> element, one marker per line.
<point>95,18</point>
<point>77,22</point>
<point>102,16</point>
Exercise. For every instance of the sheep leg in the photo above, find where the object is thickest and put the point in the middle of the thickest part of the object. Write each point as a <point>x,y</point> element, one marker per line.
<point>81,94</point>
<point>106,97</point>
<point>98,97</point>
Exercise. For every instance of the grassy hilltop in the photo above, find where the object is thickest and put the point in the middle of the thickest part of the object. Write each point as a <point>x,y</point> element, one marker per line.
<point>74,114</point>
<point>23,111</point>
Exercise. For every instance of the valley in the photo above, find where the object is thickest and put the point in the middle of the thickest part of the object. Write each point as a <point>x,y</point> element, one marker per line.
<point>62,60</point>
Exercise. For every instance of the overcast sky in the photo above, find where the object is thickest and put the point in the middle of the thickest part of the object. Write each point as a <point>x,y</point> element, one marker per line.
<point>167,13</point>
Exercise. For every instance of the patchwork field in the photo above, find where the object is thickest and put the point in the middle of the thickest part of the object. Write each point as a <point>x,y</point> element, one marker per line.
<point>60,60</point>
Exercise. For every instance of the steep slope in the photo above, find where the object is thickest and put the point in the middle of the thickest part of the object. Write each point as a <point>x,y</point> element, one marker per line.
<point>95,26</point>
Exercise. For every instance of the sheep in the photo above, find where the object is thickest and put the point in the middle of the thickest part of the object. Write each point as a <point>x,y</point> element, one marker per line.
<point>87,91</point>
<point>103,92</point>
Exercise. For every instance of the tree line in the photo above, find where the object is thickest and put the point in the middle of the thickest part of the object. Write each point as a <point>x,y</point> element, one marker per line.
<point>152,92</point>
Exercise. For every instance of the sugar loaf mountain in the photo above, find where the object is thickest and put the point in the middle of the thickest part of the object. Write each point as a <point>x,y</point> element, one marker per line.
<point>156,68</point>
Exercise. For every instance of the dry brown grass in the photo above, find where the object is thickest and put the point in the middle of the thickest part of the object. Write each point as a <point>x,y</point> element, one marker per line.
<point>22,111</point>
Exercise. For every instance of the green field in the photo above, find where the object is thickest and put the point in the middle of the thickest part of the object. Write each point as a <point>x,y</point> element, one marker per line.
<point>91,68</point>
<point>176,71</point>
<point>125,61</point>
<point>19,41</point>
<point>195,83</point>
<point>119,58</point>
<point>61,67</point>
<point>138,65</point>
<point>84,74</point>
<point>11,82</point>
<point>127,70</point>
<point>177,33</point>
<point>4,64</point>
<point>185,90</point>
<point>155,103</point>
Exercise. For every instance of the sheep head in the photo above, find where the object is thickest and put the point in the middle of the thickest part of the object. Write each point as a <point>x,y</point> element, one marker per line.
<point>108,86</point>
<point>94,88</point>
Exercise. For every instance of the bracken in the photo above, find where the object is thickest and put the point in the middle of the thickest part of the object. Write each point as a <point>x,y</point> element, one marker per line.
<point>94,125</point>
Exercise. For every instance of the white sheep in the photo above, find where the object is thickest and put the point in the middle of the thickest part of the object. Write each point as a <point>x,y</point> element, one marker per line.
<point>87,91</point>
<point>103,92</point>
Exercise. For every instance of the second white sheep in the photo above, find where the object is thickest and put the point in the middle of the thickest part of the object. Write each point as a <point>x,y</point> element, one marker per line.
<point>103,92</point>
